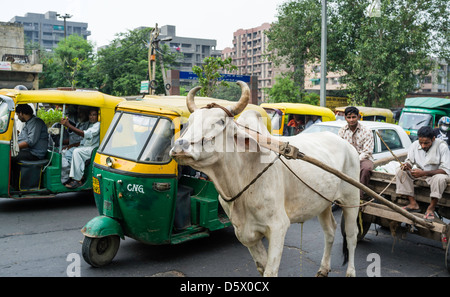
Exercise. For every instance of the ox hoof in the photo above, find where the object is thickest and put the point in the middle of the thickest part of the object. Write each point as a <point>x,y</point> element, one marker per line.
<point>351,273</point>
<point>321,274</point>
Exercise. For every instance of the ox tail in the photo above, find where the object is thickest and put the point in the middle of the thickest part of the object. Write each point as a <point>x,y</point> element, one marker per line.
<point>345,251</point>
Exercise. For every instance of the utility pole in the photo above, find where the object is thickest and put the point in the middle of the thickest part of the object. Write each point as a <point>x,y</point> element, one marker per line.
<point>66,16</point>
<point>323,56</point>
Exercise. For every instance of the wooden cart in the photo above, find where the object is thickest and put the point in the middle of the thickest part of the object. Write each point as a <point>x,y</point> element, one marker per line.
<point>382,215</point>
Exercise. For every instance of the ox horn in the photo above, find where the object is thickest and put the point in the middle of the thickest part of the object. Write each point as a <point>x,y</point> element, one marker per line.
<point>190,99</point>
<point>243,101</point>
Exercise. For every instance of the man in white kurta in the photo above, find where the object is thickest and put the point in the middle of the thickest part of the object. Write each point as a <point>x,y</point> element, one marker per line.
<point>91,140</point>
<point>429,159</point>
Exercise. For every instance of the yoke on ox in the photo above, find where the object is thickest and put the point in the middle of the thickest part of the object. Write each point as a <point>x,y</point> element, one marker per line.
<point>258,191</point>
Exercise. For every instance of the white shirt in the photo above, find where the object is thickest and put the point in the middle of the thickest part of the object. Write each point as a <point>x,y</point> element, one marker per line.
<point>437,157</point>
<point>91,135</point>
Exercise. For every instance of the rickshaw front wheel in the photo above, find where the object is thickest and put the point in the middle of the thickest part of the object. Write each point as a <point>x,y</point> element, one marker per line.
<point>99,252</point>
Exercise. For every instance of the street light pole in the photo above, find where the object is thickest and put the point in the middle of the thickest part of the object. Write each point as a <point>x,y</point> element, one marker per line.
<point>323,56</point>
<point>66,16</point>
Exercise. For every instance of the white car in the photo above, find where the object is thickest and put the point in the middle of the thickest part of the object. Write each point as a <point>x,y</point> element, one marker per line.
<point>394,136</point>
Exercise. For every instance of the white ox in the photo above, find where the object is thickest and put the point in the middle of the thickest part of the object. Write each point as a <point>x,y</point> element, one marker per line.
<point>213,144</point>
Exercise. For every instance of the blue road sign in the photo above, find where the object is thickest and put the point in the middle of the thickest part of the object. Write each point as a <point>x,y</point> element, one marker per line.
<point>227,77</point>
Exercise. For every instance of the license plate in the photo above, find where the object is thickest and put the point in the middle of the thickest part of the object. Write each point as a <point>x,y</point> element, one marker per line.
<point>96,185</point>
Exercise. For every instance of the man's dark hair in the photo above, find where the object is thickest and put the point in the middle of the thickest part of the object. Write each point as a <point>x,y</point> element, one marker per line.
<point>24,108</point>
<point>350,110</point>
<point>426,131</point>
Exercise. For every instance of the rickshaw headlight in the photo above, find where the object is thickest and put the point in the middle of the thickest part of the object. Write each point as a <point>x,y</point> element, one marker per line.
<point>109,162</point>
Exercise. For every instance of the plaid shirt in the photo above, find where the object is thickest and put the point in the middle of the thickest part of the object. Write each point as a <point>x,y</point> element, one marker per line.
<point>361,139</point>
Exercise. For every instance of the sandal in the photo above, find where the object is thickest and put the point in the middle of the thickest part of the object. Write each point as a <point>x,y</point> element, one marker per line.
<point>429,217</point>
<point>73,184</point>
<point>408,209</point>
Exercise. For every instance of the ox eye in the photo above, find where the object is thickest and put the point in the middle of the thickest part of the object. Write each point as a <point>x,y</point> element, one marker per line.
<point>221,122</point>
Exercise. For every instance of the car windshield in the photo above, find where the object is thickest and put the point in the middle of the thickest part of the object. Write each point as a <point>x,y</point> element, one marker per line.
<point>322,128</point>
<point>140,138</point>
<point>4,116</point>
<point>409,120</point>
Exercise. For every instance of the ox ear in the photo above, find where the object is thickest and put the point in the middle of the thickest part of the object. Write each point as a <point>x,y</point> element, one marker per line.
<point>245,143</point>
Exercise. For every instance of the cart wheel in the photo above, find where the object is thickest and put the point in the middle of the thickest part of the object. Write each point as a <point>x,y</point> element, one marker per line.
<point>361,233</point>
<point>99,252</point>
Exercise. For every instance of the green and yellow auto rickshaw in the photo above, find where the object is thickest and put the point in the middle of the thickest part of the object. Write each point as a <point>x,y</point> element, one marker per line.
<point>38,179</point>
<point>375,114</point>
<point>140,191</point>
<point>283,114</point>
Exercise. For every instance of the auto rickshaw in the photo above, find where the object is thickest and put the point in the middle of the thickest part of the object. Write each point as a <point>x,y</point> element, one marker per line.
<point>140,191</point>
<point>38,179</point>
<point>282,114</point>
<point>369,114</point>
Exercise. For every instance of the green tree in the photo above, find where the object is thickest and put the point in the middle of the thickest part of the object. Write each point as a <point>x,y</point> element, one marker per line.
<point>285,90</point>
<point>69,64</point>
<point>124,63</point>
<point>295,36</point>
<point>209,75</point>
<point>384,57</point>
<point>76,57</point>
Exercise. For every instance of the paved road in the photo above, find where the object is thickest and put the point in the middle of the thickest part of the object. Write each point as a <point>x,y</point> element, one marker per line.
<point>43,238</point>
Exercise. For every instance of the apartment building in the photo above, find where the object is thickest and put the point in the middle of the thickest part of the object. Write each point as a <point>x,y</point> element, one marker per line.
<point>249,55</point>
<point>47,29</point>
<point>438,81</point>
<point>312,79</point>
<point>194,50</point>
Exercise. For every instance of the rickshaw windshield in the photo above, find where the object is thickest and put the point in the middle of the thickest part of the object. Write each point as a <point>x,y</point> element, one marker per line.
<point>414,120</point>
<point>140,138</point>
<point>4,116</point>
<point>275,117</point>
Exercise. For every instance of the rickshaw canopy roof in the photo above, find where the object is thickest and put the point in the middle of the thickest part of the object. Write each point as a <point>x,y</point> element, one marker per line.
<point>87,98</point>
<point>369,111</point>
<point>300,108</point>
<point>176,105</point>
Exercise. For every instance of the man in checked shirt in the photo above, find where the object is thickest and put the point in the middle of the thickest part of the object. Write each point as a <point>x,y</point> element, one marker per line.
<point>361,138</point>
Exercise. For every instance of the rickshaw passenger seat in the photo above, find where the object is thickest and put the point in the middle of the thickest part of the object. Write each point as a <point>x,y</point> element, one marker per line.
<point>30,174</point>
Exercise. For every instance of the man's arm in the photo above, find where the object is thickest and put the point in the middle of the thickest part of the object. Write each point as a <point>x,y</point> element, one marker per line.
<point>367,145</point>
<point>65,122</point>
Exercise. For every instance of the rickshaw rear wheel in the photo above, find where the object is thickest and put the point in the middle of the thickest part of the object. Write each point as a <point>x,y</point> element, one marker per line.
<point>99,252</point>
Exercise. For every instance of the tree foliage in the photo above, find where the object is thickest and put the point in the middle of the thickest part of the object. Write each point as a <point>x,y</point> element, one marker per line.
<point>70,64</point>
<point>384,57</point>
<point>117,69</point>
<point>284,90</point>
<point>209,75</point>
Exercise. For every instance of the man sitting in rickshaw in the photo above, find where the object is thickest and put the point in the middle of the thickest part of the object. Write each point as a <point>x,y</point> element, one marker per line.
<point>296,123</point>
<point>91,140</point>
<point>33,139</point>
<point>82,123</point>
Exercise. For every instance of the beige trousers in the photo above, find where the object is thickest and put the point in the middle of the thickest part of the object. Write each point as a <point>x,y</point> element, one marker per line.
<point>405,184</point>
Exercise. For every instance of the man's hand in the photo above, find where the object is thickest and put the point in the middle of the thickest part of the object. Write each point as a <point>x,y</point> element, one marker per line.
<point>64,122</point>
<point>418,173</point>
<point>406,167</point>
